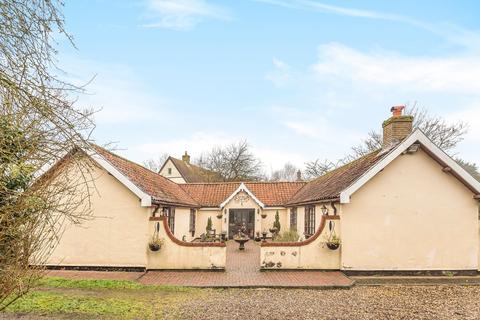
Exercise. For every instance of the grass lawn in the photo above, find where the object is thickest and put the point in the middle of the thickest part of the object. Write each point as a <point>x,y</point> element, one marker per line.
<point>87,299</point>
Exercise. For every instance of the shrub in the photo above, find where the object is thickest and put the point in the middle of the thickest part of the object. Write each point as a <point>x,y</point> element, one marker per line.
<point>209,225</point>
<point>276,223</point>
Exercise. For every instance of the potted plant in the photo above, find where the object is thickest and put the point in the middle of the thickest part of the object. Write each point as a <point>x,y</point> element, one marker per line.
<point>333,243</point>
<point>264,235</point>
<point>257,237</point>
<point>263,215</point>
<point>219,215</point>
<point>209,225</point>
<point>223,235</point>
<point>155,243</point>
<point>276,223</point>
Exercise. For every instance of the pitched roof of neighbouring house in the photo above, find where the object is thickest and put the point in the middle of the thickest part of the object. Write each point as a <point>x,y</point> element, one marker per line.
<point>330,185</point>
<point>269,193</point>
<point>192,173</point>
<point>161,189</point>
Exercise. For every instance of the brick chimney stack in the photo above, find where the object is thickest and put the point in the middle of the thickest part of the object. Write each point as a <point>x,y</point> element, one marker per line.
<point>299,175</point>
<point>186,158</point>
<point>397,128</point>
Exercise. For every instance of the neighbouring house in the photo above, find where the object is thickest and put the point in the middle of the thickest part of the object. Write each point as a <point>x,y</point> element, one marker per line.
<point>405,207</point>
<point>182,171</point>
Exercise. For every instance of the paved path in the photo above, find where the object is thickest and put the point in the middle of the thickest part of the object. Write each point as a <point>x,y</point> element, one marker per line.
<point>242,271</point>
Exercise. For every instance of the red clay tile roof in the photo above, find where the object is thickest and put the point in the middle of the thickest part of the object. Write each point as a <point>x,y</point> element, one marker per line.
<point>161,189</point>
<point>192,173</point>
<point>164,191</point>
<point>270,193</point>
<point>330,185</point>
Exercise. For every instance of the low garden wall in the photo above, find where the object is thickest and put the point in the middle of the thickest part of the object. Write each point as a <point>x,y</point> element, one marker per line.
<point>312,253</point>
<point>175,254</point>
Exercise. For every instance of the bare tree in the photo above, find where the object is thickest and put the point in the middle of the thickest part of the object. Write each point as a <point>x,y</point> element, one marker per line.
<point>317,168</point>
<point>155,164</point>
<point>289,172</point>
<point>471,168</point>
<point>234,162</point>
<point>444,134</point>
<point>39,126</point>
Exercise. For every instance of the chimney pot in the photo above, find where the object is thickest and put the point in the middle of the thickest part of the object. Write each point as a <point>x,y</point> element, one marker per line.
<point>397,111</point>
<point>186,158</point>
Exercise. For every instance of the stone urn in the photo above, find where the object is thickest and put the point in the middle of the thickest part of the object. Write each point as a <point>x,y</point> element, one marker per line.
<point>241,238</point>
<point>241,241</point>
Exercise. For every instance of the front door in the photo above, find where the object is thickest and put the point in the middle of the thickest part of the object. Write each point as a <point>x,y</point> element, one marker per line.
<point>239,217</point>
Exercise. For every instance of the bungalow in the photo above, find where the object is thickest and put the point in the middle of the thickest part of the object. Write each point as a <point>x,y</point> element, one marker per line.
<point>407,206</point>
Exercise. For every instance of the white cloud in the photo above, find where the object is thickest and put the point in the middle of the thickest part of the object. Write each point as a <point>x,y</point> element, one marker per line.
<point>468,149</point>
<point>455,74</point>
<point>195,144</point>
<point>274,159</point>
<point>115,91</point>
<point>304,129</point>
<point>202,141</point>
<point>448,31</point>
<point>182,14</point>
<point>281,75</point>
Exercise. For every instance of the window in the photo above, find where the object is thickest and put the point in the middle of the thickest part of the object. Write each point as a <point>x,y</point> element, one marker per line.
<point>169,170</point>
<point>309,220</point>
<point>293,219</point>
<point>192,221</point>
<point>170,214</point>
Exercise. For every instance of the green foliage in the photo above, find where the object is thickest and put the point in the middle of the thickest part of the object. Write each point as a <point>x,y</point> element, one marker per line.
<point>47,302</point>
<point>334,239</point>
<point>209,225</point>
<point>93,299</point>
<point>57,282</point>
<point>276,223</point>
<point>287,236</point>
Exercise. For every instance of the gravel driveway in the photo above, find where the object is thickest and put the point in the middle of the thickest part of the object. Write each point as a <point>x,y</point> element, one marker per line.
<point>361,302</point>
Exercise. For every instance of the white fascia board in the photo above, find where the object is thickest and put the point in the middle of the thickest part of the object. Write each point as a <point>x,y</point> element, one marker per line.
<point>419,136</point>
<point>243,188</point>
<point>145,199</point>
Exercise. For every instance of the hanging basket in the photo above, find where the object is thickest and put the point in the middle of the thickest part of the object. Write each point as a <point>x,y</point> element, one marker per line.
<point>263,215</point>
<point>333,245</point>
<point>154,246</point>
<point>219,216</point>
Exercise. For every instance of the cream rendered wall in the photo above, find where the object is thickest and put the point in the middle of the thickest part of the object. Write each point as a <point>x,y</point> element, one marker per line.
<point>175,176</point>
<point>267,223</point>
<point>175,256</point>
<point>411,216</point>
<point>314,255</point>
<point>182,224</point>
<point>116,235</point>
<point>202,218</point>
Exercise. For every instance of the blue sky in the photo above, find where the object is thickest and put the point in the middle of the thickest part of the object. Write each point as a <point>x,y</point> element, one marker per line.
<point>299,79</point>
